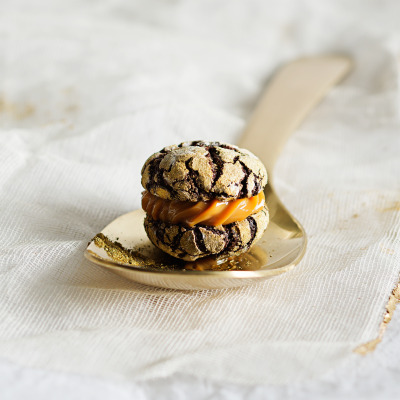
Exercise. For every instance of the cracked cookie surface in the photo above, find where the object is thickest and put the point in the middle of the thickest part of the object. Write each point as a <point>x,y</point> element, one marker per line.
<point>202,171</point>
<point>200,241</point>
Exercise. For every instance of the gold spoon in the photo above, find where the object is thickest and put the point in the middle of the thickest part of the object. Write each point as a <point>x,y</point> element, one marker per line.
<point>123,246</point>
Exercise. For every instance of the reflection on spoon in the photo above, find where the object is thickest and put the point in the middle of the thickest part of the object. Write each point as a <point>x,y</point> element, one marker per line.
<point>253,260</point>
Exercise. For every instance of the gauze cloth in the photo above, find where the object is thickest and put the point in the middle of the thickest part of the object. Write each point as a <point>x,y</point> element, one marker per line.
<point>89,90</point>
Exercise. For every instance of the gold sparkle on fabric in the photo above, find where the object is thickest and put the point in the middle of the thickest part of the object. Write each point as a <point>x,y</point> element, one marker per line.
<point>390,308</point>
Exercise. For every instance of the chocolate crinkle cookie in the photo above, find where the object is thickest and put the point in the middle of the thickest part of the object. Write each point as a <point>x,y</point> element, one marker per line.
<point>201,171</point>
<point>204,198</point>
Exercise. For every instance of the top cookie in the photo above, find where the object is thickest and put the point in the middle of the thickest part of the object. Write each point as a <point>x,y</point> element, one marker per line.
<point>202,171</point>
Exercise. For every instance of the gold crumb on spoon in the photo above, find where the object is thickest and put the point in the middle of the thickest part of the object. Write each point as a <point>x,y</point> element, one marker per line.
<point>121,255</point>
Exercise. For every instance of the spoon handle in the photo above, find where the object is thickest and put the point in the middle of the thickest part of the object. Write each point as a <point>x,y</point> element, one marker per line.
<point>290,96</point>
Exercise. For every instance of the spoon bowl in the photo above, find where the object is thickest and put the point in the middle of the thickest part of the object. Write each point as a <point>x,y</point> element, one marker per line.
<point>130,253</point>
<point>124,248</point>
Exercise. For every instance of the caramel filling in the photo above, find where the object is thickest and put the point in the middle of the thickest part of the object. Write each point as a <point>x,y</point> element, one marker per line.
<point>213,212</point>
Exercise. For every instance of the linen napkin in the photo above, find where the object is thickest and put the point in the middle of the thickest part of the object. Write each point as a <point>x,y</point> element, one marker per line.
<point>90,91</point>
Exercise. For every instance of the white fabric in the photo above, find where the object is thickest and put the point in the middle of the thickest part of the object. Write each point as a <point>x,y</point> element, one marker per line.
<point>89,90</point>
<point>375,376</point>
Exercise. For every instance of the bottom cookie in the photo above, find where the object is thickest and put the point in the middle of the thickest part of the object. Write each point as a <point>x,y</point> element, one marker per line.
<point>200,241</point>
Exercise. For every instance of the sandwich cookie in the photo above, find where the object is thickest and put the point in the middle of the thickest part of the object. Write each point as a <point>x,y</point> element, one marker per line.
<point>204,198</point>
